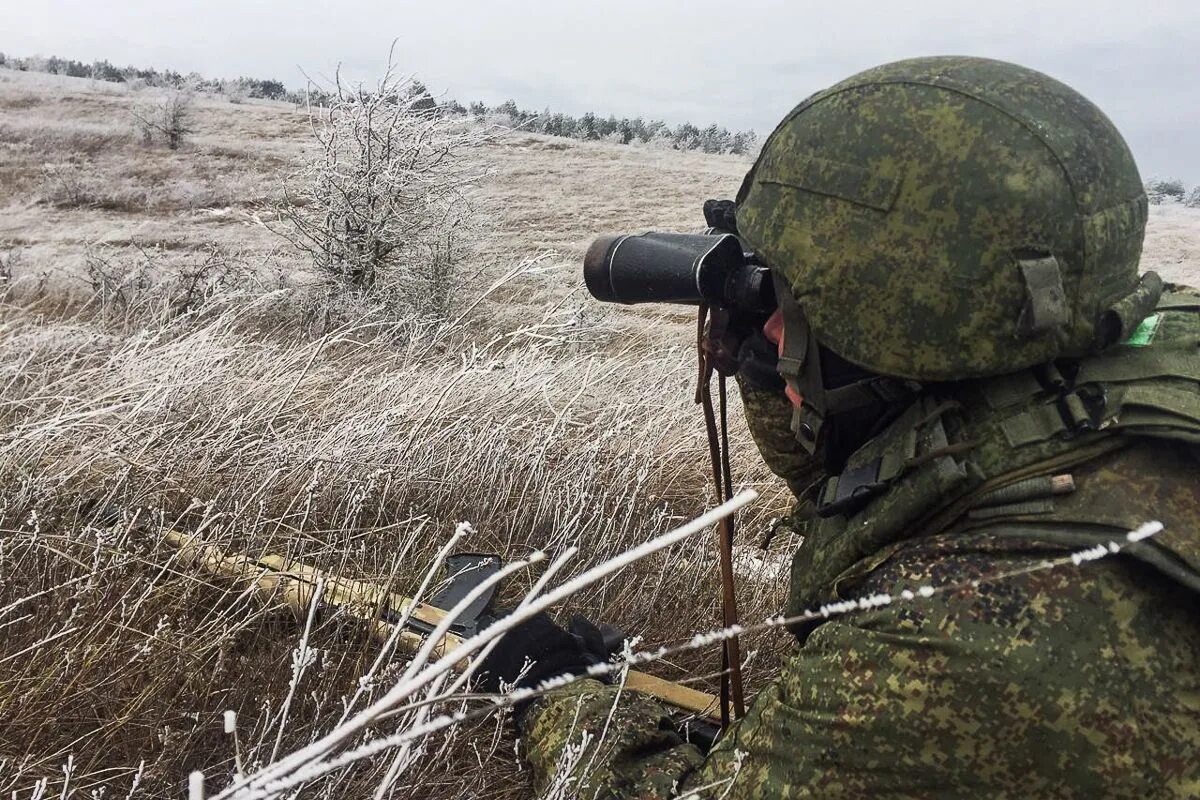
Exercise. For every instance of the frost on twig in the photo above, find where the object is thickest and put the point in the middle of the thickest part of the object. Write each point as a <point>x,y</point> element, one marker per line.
<point>328,753</point>
<point>422,685</point>
<point>378,206</point>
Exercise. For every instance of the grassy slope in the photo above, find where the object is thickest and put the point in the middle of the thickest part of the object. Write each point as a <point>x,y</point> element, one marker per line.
<point>357,445</point>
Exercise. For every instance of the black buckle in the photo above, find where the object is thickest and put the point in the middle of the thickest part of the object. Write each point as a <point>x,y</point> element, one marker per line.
<point>855,488</point>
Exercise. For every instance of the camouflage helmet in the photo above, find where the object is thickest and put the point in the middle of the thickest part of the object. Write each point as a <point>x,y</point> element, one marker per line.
<point>952,217</point>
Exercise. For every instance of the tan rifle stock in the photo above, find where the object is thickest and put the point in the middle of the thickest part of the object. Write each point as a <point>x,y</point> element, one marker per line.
<point>274,576</point>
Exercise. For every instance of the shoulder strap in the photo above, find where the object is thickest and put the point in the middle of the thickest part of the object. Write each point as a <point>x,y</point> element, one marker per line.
<point>1179,299</point>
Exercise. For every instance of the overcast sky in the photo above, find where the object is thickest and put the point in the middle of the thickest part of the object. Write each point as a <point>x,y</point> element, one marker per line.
<point>740,64</point>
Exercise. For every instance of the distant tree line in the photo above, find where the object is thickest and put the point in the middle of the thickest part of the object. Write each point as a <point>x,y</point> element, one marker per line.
<point>106,71</point>
<point>588,126</point>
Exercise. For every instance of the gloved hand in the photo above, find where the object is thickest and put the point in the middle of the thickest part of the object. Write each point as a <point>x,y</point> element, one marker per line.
<point>722,215</point>
<point>735,341</point>
<point>735,344</point>
<point>758,359</point>
<point>552,650</point>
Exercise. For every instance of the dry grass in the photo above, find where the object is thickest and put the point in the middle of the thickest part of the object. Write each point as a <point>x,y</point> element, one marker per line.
<point>344,451</point>
<point>282,419</point>
<point>279,417</point>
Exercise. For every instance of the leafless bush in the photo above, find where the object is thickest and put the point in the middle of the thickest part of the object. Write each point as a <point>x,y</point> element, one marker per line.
<point>234,91</point>
<point>135,284</point>
<point>67,185</point>
<point>1160,190</point>
<point>379,206</point>
<point>116,283</point>
<point>166,120</point>
<point>20,281</point>
<point>76,183</point>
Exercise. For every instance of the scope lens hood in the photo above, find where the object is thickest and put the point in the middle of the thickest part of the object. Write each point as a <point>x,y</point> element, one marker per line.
<point>596,268</point>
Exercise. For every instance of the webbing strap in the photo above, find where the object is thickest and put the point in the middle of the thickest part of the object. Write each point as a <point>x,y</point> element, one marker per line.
<point>794,353</point>
<point>893,460</point>
<point>1164,363</point>
<point>718,450</point>
<point>1008,390</point>
<point>1037,424</point>
<point>1116,406</point>
<point>1171,300</point>
<point>800,365</point>
<point>925,440</point>
<point>1166,400</point>
<point>1045,300</point>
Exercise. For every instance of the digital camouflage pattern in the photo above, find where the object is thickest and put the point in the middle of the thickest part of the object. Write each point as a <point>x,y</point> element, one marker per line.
<point>592,740</point>
<point>1050,684</point>
<point>945,457</point>
<point>1068,682</point>
<point>992,220</point>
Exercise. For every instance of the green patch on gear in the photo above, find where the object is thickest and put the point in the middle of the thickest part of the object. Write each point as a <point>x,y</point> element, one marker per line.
<point>1144,335</point>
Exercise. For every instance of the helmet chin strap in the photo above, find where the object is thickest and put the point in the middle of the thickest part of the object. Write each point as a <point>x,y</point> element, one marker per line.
<point>800,366</point>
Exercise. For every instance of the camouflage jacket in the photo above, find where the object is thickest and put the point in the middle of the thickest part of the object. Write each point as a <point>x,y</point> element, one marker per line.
<point>1046,682</point>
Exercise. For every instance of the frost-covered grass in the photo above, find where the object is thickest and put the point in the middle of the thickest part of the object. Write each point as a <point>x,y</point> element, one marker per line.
<point>358,452</point>
<point>272,417</point>
<point>1173,243</point>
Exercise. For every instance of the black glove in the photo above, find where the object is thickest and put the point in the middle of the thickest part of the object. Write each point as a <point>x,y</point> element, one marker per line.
<point>758,361</point>
<point>735,341</point>
<point>735,344</point>
<point>552,650</point>
<point>722,215</point>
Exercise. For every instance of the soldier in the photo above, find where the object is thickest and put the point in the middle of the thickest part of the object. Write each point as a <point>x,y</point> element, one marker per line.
<point>968,346</point>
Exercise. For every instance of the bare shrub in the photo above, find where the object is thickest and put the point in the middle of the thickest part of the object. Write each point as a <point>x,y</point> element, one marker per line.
<point>136,284</point>
<point>116,283</point>
<point>20,280</point>
<point>1193,198</point>
<point>67,185</point>
<point>20,102</point>
<point>234,91</point>
<point>76,184</point>
<point>379,206</point>
<point>194,284</point>
<point>166,120</point>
